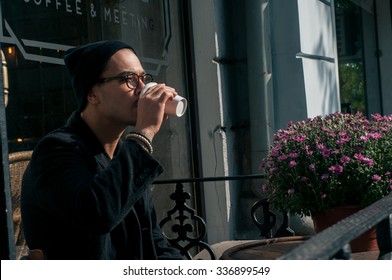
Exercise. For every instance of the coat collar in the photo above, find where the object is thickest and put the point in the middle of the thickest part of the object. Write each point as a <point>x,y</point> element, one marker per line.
<point>80,127</point>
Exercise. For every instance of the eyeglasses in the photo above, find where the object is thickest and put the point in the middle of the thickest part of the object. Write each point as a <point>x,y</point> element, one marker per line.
<point>130,78</point>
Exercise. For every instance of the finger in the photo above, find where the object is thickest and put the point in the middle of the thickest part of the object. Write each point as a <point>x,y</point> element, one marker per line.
<point>160,89</point>
<point>165,96</point>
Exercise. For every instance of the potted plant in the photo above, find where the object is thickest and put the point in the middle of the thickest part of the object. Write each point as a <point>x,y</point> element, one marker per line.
<point>326,162</point>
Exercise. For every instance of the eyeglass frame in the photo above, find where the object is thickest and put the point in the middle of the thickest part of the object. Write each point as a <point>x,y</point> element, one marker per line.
<point>126,78</point>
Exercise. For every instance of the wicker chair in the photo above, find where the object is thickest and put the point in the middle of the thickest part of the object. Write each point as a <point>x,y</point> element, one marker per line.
<point>18,162</point>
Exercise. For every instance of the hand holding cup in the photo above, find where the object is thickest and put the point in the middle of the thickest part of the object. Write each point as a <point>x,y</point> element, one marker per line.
<point>175,107</point>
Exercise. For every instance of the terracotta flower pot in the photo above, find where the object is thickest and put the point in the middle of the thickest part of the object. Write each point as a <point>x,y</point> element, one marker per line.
<point>322,220</point>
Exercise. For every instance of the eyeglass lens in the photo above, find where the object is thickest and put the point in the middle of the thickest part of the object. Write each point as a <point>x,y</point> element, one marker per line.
<point>133,80</point>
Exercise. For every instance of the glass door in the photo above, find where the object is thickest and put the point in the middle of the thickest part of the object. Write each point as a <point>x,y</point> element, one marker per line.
<point>360,54</point>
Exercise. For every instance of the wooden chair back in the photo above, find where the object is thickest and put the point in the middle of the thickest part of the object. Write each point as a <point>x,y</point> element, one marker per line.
<point>18,162</point>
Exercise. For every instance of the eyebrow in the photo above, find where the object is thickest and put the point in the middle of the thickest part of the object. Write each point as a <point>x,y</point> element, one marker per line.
<point>126,73</point>
<point>131,72</point>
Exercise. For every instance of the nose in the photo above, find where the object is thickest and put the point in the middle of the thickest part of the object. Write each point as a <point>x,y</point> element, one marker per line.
<point>141,83</point>
<point>139,87</point>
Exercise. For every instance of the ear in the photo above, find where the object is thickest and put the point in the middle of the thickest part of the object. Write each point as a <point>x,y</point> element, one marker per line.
<point>93,97</point>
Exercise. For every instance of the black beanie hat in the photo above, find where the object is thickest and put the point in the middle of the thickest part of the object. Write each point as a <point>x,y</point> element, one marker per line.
<point>86,63</point>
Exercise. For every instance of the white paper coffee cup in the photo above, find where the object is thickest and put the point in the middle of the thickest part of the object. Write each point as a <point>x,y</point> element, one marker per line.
<point>175,107</point>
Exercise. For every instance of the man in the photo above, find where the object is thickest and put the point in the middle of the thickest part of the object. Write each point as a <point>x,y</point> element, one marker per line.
<point>85,193</point>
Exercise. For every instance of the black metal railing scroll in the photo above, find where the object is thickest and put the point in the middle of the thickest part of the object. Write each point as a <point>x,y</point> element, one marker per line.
<point>188,228</point>
<point>268,218</point>
<point>184,217</point>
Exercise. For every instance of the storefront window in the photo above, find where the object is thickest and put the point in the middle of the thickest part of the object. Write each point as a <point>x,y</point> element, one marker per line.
<point>36,34</point>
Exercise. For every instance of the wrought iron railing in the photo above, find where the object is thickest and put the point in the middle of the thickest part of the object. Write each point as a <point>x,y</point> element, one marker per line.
<point>332,243</point>
<point>189,228</point>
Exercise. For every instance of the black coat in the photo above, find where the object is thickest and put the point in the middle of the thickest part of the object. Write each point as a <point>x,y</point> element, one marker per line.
<point>77,203</point>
